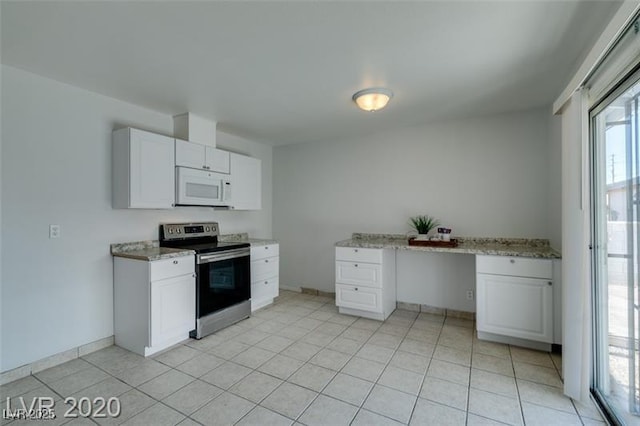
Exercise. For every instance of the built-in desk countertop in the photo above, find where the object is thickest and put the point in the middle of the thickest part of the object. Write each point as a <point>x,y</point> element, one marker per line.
<point>513,247</point>
<point>511,286</point>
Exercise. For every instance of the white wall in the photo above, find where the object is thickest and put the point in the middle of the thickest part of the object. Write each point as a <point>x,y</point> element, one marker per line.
<point>554,170</point>
<point>439,280</point>
<point>482,177</point>
<point>56,169</point>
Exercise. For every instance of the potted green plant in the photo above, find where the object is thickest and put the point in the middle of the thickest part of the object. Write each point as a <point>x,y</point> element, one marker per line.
<point>423,224</point>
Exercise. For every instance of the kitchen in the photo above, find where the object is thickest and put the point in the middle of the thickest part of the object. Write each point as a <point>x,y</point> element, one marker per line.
<point>495,174</point>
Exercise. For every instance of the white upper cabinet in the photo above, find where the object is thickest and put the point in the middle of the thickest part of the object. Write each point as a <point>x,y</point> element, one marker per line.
<point>189,154</point>
<point>198,156</point>
<point>246,181</point>
<point>143,170</point>
<point>217,160</point>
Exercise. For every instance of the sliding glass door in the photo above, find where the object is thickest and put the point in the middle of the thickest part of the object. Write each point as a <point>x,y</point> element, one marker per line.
<point>616,209</point>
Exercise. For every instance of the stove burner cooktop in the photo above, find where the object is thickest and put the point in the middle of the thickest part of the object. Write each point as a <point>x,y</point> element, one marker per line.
<point>200,237</point>
<point>205,247</point>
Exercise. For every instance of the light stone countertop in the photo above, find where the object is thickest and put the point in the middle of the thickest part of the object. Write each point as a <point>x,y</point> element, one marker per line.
<point>150,250</point>
<point>147,250</point>
<point>514,247</point>
<point>244,238</point>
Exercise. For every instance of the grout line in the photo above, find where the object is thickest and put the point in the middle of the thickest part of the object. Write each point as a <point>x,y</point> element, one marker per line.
<point>515,379</point>
<point>402,330</point>
<point>466,417</point>
<point>426,371</point>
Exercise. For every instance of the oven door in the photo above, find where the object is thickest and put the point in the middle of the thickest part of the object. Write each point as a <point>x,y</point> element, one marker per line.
<point>200,188</point>
<point>223,280</point>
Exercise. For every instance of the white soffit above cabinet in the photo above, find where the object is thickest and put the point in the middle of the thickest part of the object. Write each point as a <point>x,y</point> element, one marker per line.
<point>284,72</point>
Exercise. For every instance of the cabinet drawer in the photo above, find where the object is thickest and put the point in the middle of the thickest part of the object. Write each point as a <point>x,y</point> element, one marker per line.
<point>167,268</point>
<point>514,266</point>
<point>365,274</point>
<point>264,269</point>
<point>359,254</point>
<point>261,252</point>
<point>355,297</point>
<point>264,289</point>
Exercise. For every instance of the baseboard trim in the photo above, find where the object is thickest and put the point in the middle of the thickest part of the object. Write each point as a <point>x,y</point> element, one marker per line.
<point>296,289</point>
<point>434,310</point>
<point>516,341</point>
<point>54,360</point>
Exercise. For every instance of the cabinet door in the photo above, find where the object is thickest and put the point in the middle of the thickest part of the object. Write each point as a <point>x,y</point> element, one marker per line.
<point>151,173</point>
<point>364,274</point>
<point>362,298</point>
<point>173,308</point>
<point>189,154</point>
<point>515,306</point>
<point>246,181</point>
<point>217,159</point>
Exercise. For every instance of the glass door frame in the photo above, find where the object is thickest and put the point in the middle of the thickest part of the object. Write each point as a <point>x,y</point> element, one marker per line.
<point>599,343</point>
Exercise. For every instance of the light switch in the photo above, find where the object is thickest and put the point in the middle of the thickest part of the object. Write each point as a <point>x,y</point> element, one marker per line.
<point>54,231</point>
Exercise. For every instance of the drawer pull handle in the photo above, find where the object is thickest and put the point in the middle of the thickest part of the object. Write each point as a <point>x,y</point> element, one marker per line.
<point>266,282</point>
<point>356,265</point>
<point>550,283</point>
<point>175,262</point>
<point>266,261</point>
<point>512,261</point>
<point>356,250</point>
<point>356,288</point>
<point>266,247</point>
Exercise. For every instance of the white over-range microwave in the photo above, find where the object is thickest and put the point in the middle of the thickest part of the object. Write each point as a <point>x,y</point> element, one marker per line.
<point>201,188</point>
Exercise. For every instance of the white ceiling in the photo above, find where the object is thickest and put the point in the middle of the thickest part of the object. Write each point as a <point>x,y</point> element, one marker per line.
<point>284,72</point>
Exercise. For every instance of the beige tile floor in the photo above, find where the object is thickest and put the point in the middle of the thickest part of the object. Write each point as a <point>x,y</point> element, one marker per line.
<point>300,362</point>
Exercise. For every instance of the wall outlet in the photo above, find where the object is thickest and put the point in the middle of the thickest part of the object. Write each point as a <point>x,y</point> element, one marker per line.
<point>469,294</point>
<point>54,231</point>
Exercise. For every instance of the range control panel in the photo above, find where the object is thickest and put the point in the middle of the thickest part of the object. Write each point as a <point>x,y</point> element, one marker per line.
<point>173,231</point>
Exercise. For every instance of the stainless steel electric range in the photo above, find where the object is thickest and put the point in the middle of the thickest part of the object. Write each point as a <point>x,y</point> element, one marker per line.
<point>223,281</point>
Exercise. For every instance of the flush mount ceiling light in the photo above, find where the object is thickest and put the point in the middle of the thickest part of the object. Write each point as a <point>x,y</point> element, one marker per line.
<point>372,99</point>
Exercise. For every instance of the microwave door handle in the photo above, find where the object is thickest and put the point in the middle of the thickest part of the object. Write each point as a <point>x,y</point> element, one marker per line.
<point>226,189</point>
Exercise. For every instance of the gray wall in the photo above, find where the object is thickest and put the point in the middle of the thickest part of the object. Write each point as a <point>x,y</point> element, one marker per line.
<point>486,176</point>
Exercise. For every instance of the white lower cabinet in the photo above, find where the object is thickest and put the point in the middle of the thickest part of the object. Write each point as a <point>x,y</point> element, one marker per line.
<point>514,298</point>
<point>173,306</point>
<point>154,303</point>
<point>265,271</point>
<point>365,282</point>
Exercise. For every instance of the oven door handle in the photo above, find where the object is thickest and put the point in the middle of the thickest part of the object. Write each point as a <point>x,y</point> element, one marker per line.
<point>226,255</point>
